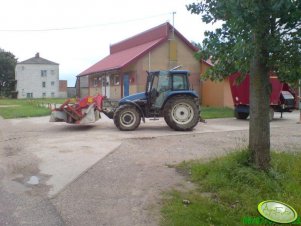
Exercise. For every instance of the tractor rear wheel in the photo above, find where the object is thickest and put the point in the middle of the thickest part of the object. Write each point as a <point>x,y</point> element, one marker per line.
<point>127,118</point>
<point>181,113</point>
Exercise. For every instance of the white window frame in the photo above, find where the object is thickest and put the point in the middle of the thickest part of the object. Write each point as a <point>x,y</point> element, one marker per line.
<point>43,73</point>
<point>116,80</point>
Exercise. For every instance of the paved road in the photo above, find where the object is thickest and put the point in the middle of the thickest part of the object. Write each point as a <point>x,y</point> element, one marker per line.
<point>97,175</point>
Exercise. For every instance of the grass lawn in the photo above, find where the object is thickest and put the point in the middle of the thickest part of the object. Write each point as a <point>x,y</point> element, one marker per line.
<point>18,108</point>
<point>33,107</point>
<point>229,191</point>
<point>216,112</point>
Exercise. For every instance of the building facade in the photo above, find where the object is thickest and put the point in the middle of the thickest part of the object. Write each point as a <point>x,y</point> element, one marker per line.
<point>37,78</point>
<point>215,93</point>
<point>62,88</point>
<point>124,71</point>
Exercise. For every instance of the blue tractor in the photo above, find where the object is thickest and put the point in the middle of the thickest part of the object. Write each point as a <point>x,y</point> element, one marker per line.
<point>167,95</point>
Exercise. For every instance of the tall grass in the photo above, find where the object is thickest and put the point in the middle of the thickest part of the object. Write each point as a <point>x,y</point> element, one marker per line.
<point>229,190</point>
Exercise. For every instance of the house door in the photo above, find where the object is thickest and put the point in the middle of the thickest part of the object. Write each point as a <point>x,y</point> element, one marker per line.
<point>105,88</point>
<point>126,85</point>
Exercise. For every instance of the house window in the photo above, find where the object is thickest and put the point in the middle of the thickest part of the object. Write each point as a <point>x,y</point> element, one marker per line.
<point>44,94</point>
<point>43,73</point>
<point>116,80</point>
<point>29,95</point>
<point>52,94</point>
<point>104,81</point>
<point>52,72</point>
<point>95,83</point>
<point>52,83</point>
<point>43,84</point>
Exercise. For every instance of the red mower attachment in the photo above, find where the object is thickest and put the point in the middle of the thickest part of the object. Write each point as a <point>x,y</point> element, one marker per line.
<point>84,111</point>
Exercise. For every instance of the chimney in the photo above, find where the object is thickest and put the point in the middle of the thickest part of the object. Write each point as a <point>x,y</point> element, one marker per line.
<point>37,55</point>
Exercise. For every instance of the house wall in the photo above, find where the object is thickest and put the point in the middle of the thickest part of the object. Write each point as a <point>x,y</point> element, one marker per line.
<point>158,59</point>
<point>95,85</point>
<point>215,93</point>
<point>115,88</point>
<point>29,80</point>
<point>83,86</point>
<point>188,62</point>
<point>228,101</point>
<point>62,88</point>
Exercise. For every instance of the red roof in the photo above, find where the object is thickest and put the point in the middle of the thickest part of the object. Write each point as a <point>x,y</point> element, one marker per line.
<point>127,51</point>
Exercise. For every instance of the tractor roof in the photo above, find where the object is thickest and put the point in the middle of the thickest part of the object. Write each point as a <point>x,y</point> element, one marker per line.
<point>172,71</point>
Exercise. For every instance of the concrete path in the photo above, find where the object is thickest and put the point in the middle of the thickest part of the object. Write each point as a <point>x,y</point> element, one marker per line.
<point>65,151</point>
<point>94,171</point>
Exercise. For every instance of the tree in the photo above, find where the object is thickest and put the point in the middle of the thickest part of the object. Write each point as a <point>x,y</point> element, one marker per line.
<point>7,72</point>
<point>256,37</point>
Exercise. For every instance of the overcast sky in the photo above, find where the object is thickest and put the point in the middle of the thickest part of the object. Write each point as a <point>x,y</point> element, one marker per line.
<point>77,33</point>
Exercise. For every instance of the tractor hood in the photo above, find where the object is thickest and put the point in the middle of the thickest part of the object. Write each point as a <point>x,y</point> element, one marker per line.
<point>136,96</point>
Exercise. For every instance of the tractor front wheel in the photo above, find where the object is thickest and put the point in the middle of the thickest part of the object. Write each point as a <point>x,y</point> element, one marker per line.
<point>181,113</point>
<point>127,118</point>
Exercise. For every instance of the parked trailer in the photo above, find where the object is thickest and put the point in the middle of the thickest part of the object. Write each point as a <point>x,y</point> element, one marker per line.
<point>282,98</point>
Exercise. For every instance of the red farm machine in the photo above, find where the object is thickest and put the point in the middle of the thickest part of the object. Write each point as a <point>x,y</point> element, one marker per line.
<point>282,98</point>
<point>83,111</point>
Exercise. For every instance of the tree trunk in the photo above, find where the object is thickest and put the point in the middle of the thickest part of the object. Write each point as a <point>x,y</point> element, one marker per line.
<point>260,90</point>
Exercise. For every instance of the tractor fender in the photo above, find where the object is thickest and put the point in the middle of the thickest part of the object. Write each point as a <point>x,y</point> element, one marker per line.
<point>182,93</point>
<point>137,106</point>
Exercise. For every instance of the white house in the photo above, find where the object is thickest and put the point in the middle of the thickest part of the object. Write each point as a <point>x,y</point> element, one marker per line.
<point>37,78</point>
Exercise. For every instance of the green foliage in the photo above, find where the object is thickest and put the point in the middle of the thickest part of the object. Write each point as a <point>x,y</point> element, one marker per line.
<point>231,47</point>
<point>7,72</point>
<point>229,190</point>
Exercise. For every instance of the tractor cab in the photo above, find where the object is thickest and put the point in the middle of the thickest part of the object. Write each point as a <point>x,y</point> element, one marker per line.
<point>161,84</point>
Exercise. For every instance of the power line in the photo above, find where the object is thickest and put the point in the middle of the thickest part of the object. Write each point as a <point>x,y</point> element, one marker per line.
<point>82,27</point>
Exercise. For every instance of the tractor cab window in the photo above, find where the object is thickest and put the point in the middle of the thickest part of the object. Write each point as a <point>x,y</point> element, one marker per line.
<point>164,82</point>
<point>163,86</point>
<point>161,82</point>
<point>155,82</point>
<point>179,82</point>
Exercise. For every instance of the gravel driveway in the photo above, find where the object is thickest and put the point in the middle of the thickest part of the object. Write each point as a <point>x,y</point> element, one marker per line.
<point>124,186</point>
